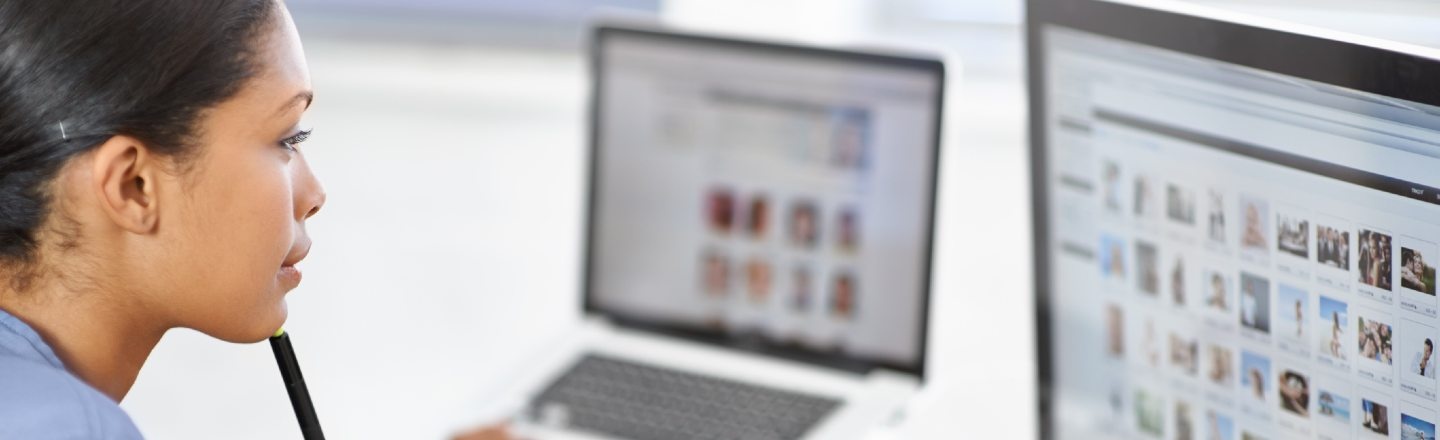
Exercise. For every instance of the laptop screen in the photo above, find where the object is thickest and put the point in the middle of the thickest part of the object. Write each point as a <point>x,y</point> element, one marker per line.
<point>775,198</point>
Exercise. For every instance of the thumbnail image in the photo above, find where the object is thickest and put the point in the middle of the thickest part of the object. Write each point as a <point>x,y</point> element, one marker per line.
<point>850,141</point>
<point>802,282</point>
<point>1184,354</point>
<point>804,224</point>
<point>1151,344</point>
<point>1374,340</point>
<point>1256,224</point>
<point>849,230</point>
<point>757,217</point>
<point>1217,286</point>
<point>1221,427</point>
<point>758,279</point>
<point>1177,281</point>
<point>1115,328</point>
<point>1184,423</point>
<point>1376,417</point>
<point>1110,181</point>
<point>1215,227</point>
<point>1292,234</point>
<point>1333,406</point>
<point>1332,247</point>
<point>1412,428</point>
<point>1418,342</point>
<point>1112,256</point>
<point>1254,371</point>
<point>1416,273</point>
<point>1333,321</point>
<point>1423,363</point>
<point>720,210</point>
<point>1255,302</point>
<point>1294,393</point>
<point>715,278</point>
<point>1290,306</point>
<point>1149,413</point>
<point>1374,259</point>
<point>1147,268</point>
<point>1144,203</point>
<point>843,296</point>
<point>1180,204</point>
<point>1221,366</point>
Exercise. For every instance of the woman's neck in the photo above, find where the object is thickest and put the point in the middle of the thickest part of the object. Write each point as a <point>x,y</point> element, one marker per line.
<point>102,341</point>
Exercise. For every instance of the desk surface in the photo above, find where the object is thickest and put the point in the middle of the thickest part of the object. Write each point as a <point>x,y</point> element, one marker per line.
<point>447,253</point>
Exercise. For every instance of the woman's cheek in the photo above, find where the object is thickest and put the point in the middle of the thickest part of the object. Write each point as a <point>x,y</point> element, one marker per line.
<point>263,232</point>
<point>276,218</point>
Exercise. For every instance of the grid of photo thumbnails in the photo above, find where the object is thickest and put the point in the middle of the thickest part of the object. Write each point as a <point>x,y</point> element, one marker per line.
<point>813,274</point>
<point>1261,320</point>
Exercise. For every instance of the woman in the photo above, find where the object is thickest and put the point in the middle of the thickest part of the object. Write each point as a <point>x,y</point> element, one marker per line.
<point>1299,319</point>
<point>1177,283</point>
<point>1295,394</point>
<point>1336,333</point>
<point>1217,293</point>
<point>151,178</point>
<point>1254,235</point>
<point>1369,347</point>
<point>1257,383</point>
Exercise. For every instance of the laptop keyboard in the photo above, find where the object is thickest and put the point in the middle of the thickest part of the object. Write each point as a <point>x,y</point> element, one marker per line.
<point>624,399</point>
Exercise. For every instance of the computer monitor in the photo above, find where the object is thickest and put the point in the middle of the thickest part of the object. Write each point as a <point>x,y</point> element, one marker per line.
<point>1237,225</point>
<point>768,197</point>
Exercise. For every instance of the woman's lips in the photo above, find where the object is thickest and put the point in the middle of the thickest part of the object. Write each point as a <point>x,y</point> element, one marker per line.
<point>289,276</point>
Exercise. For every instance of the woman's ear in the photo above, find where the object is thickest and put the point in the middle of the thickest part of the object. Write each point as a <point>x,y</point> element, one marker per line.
<point>124,175</point>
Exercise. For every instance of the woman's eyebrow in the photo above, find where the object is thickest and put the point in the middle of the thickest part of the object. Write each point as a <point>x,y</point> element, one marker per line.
<point>306,96</point>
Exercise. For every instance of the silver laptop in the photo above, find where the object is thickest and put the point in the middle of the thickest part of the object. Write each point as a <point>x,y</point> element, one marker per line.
<point>759,243</point>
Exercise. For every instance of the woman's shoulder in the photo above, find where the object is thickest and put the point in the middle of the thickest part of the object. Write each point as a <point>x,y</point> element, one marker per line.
<point>39,401</point>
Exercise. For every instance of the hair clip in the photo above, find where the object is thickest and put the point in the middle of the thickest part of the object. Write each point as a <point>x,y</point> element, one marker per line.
<point>63,135</point>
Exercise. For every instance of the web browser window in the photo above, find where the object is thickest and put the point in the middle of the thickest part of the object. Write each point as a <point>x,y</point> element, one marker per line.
<point>781,197</point>
<point>1237,254</point>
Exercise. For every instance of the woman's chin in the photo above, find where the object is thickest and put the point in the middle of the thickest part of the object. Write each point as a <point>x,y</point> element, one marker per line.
<point>260,327</point>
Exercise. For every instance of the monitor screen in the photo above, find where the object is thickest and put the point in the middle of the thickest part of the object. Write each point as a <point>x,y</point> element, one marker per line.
<point>1229,251</point>
<point>774,198</point>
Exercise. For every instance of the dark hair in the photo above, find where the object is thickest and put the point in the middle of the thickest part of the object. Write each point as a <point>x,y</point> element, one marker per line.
<point>74,73</point>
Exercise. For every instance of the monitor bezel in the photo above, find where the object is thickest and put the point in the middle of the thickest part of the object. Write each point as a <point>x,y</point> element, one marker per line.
<point>605,32</point>
<point>1358,63</point>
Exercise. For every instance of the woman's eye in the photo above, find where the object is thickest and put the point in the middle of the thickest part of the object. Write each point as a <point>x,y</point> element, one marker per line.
<point>292,143</point>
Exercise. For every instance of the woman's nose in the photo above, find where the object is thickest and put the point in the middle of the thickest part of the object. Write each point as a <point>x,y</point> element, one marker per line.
<point>311,195</point>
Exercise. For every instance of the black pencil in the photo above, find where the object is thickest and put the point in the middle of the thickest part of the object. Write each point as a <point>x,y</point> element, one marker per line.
<point>295,385</point>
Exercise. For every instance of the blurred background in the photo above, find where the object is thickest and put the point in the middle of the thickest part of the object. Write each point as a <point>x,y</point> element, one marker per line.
<point>450,135</point>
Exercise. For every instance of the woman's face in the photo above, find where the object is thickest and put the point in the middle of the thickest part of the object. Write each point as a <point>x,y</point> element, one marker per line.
<point>233,224</point>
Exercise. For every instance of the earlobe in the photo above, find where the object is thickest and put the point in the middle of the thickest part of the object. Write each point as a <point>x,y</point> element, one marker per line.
<point>124,180</point>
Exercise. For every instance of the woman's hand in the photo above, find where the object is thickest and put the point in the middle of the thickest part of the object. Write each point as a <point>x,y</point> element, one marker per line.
<point>497,432</point>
